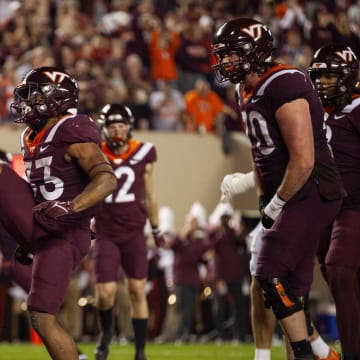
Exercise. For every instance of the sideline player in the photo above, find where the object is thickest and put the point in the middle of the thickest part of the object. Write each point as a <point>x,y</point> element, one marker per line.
<point>334,71</point>
<point>50,216</point>
<point>120,222</point>
<point>296,175</point>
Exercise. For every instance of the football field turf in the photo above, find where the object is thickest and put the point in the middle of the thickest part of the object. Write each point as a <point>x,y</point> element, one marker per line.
<point>24,351</point>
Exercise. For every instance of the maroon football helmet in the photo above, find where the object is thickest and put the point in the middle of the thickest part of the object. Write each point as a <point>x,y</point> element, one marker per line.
<point>45,92</point>
<point>337,59</point>
<point>113,113</point>
<point>250,40</point>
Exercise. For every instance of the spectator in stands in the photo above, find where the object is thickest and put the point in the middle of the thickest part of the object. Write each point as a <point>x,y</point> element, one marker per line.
<point>8,81</point>
<point>193,56</point>
<point>162,49</point>
<point>354,17</point>
<point>294,51</point>
<point>346,35</point>
<point>323,29</point>
<point>139,87</point>
<point>205,109</point>
<point>72,26</point>
<point>266,14</point>
<point>167,105</point>
<point>92,89</point>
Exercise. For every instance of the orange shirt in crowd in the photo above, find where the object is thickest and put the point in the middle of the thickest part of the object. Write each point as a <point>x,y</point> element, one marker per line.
<point>162,49</point>
<point>203,109</point>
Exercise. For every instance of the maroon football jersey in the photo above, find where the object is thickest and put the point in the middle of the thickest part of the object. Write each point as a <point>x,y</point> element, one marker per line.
<point>51,176</point>
<point>279,85</point>
<point>343,132</point>
<point>123,210</point>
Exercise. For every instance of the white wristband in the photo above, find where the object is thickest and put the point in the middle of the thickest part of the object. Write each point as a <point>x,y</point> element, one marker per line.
<point>274,207</point>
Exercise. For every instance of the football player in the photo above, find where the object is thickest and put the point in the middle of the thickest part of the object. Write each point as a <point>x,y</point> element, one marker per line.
<point>12,269</point>
<point>263,320</point>
<point>119,223</point>
<point>334,71</point>
<point>49,215</point>
<point>300,189</point>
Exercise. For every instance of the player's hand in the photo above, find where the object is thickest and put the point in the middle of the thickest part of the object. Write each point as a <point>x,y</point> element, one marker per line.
<point>236,183</point>
<point>270,211</point>
<point>158,237</point>
<point>51,215</point>
<point>22,256</point>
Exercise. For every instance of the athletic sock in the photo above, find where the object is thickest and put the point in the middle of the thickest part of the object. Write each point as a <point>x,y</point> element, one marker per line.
<point>106,325</point>
<point>320,347</point>
<point>140,331</point>
<point>262,354</point>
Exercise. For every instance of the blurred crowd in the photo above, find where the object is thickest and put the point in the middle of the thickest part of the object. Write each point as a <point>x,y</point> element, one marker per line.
<point>155,55</point>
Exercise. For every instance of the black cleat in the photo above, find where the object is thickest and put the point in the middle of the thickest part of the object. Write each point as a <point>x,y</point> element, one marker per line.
<point>101,353</point>
<point>140,355</point>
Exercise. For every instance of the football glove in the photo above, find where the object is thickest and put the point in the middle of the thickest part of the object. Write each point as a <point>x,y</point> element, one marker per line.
<point>158,237</point>
<point>236,183</point>
<point>22,256</point>
<point>271,210</point>
<point>51,215</point>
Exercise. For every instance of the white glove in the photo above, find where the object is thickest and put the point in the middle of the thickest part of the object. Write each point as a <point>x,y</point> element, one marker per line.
<point>272,211</point>
<point>236,183</point>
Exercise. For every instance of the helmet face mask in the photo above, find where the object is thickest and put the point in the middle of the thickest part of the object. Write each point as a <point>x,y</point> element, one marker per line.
<point>326,84</point>
<point>334,71</point>
<point>249,40</point>
<point>44,93</point>
<point>113,114</point>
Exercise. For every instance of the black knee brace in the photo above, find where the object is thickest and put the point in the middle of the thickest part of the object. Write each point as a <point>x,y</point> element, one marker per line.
<point>278,296</point>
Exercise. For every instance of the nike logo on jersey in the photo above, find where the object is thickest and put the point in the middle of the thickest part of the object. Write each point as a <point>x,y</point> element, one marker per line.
<point>253,100</point>
<point>337,117</point>
<point>43,148</point>
<point>134,161</point>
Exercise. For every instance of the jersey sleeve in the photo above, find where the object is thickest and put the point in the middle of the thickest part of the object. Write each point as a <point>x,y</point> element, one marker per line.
<point>80,129</point>
<point>151,156</point>
<point>286,86</point>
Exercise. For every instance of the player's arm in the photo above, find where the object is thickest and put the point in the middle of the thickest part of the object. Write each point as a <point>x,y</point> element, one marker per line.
<point>295,124</point>
<point>102,178</point>
<point>151,205</point>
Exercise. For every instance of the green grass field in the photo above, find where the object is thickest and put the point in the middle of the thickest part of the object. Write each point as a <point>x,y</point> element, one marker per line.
<point>211,351</point>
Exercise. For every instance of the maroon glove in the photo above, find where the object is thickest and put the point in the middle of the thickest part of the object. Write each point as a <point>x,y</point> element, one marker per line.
<point>51,215</point>
<point>158,237</point>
